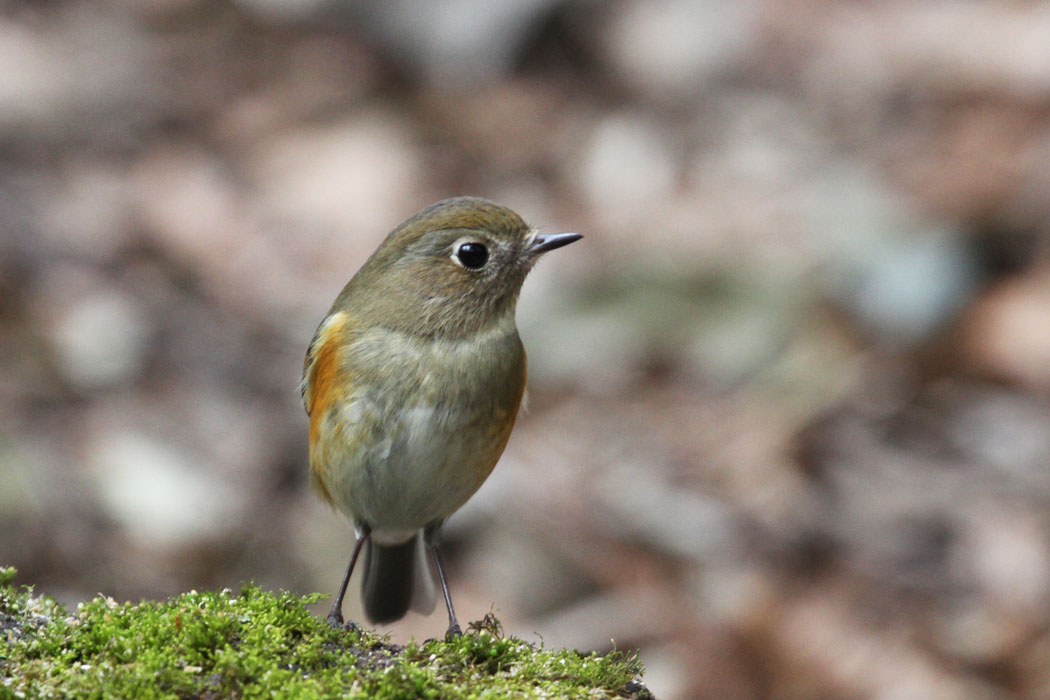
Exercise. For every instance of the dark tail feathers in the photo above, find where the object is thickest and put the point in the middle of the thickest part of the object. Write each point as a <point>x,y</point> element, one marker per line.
<point>389,579</point>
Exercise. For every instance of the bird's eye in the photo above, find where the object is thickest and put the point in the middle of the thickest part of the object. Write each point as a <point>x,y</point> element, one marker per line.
<point>473,256</point>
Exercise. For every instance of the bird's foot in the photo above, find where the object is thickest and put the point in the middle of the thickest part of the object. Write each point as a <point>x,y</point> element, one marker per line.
<point>335,619</point>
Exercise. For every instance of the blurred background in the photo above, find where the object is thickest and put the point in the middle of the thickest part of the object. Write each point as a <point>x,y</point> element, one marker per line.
<point>790,397</point>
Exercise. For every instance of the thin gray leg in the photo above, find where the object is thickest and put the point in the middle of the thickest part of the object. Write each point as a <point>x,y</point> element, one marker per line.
<point>335,615</point>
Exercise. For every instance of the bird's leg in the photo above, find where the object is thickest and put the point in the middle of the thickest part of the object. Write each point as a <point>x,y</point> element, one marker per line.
<point>432,537</point>
<point>335,615</point>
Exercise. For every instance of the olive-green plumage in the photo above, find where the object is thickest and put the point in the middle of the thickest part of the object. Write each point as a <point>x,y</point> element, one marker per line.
<point>413,283</point>
<point>412,384</point>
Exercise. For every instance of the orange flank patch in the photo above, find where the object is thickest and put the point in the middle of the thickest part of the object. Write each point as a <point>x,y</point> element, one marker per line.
<point>326,384</point>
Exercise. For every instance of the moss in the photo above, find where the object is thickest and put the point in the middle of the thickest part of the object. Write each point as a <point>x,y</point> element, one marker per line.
<point>254,643</point>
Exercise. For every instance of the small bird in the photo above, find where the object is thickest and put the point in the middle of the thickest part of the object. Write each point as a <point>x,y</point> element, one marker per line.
<point>412,384</point>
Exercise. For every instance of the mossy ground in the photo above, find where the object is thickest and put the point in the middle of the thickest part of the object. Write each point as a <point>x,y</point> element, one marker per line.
<point>254,643</point>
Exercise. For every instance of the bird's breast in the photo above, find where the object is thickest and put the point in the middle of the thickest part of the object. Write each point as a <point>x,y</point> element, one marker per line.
<point>423,424</point>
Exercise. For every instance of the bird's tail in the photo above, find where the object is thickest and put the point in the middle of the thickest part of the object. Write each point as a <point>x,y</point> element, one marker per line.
<point>397,579</point>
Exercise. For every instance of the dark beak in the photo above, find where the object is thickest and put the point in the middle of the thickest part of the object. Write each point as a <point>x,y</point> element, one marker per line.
<point>544,242</point>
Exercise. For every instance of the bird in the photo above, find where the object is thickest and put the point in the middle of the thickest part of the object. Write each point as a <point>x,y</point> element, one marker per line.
<point>412,384</point>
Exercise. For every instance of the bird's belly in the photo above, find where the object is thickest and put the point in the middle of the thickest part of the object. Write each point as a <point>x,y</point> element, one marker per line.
<point>414,468</point>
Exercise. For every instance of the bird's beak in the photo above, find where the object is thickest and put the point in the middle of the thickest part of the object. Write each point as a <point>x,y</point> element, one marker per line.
<point>544,242</point>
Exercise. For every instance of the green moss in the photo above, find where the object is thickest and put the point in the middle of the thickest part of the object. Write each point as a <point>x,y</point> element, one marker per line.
<point>254,644</point>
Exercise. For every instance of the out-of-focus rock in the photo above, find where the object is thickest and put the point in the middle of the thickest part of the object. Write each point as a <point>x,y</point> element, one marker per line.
<point>88,215</point>
<point>1006,333</point>
<point>33,83</point>
<point>157,493</point>
<point>915,287</point>
<point>738,596</point>
<point>931,48</point>
<point>627,171</point>
<point>189,206</point>
<point>900,277</point>
<point>1008,551</point>
<point>92,75</point>
<point>960,46</point>
<point>100,339</point>
<point>447,42</point>
<point>194,211</point>
<point>356,177</point>
<point>671,48</point>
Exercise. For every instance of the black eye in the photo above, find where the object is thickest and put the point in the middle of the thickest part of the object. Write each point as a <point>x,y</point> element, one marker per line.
<point>472,255</point>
